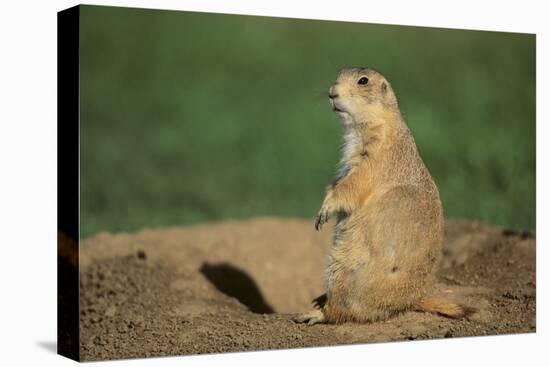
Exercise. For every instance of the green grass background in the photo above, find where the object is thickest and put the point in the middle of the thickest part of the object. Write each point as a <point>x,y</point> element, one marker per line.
<point>189,117</point>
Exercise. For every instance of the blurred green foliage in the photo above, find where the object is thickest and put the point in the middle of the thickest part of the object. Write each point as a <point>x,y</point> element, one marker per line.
<point>189,117</point>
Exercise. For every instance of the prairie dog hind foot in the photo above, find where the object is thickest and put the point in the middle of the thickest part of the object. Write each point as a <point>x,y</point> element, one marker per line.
<point>310,318</point>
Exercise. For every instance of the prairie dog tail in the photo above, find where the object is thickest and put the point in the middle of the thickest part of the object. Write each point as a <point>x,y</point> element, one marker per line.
<point>444,308</point>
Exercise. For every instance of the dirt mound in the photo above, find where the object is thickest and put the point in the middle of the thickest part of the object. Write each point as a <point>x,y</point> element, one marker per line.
<point>231,286</point>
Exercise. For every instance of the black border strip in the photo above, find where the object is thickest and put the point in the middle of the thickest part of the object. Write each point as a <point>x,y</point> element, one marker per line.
<point>68,34</point>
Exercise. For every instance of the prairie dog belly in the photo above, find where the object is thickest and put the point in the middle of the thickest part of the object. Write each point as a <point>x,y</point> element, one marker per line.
<point>382,257</point>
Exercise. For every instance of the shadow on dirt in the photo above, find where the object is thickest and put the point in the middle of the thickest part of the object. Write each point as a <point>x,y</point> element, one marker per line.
<point>236,283</point>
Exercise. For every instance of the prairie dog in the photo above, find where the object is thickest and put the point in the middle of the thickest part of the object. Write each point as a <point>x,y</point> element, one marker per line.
<point>389,229</point>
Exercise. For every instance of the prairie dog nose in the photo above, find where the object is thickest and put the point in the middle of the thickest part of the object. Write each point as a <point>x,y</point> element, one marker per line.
<point>332,92</point>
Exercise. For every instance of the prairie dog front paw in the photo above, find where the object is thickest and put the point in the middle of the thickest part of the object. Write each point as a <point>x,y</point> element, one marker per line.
<point>322,217</point>
<point>324,213</point>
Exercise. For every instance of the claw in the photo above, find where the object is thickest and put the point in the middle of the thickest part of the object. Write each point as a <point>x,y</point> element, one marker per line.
<point>322,218</point>
<point>319,302</point>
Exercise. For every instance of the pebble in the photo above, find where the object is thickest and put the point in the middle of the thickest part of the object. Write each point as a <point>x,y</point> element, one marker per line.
<point>111,311</point>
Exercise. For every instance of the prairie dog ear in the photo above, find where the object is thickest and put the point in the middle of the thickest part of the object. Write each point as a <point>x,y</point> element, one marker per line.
<point>384,87</point>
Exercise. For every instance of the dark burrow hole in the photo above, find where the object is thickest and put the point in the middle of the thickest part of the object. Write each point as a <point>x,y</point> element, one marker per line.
<point>236,283</point>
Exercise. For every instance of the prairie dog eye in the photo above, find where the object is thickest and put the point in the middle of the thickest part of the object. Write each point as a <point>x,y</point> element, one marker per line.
<point>363,80</point>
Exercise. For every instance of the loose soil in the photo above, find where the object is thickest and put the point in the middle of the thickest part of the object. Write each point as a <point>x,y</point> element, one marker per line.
<point>232,286</point>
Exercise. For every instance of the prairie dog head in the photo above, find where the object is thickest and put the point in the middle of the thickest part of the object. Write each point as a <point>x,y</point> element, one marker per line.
<point>361,95</point>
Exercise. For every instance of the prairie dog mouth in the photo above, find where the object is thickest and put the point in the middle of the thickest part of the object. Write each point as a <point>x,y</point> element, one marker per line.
<point>336,107</point>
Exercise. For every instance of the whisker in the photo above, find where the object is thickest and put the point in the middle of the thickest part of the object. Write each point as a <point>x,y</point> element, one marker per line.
<point>323,94</point>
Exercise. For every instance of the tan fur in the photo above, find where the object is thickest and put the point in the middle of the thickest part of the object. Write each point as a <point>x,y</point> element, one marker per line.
<point>389,230</point>
<point>444,308</point>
